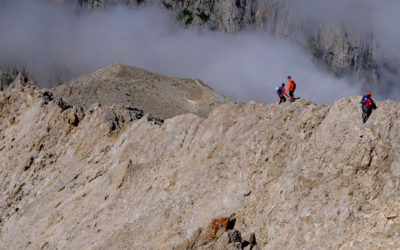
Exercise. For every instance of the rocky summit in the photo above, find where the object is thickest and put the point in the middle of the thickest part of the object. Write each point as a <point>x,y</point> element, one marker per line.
<point>161,95</point>
<point>248,176</point>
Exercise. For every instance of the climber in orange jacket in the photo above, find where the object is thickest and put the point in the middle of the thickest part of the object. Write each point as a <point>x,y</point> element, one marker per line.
<point>291,88</point>
<point>281,91</point>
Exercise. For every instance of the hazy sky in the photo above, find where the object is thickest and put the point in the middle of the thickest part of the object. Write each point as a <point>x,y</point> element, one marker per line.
<point>247,66</point>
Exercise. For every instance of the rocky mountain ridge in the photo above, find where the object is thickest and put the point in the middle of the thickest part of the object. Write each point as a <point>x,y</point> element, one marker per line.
<point>295,175</point>
<point>160,95</point>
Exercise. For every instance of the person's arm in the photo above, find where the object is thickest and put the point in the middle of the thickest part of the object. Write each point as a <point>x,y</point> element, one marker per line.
<point>284,91</point>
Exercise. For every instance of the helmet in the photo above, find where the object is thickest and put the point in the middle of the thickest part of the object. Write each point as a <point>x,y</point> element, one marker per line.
<point>289,77</point>
<point>283,84</point>
<point>369,94</point>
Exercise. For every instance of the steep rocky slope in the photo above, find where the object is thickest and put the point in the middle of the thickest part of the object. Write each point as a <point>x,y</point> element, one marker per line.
<point>297,175</point>
<point>160,95</point>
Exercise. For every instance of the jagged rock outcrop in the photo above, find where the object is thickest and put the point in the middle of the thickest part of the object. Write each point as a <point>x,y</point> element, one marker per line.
<point>161,95</point>
<point>8,75</point>
<point>297,175</point>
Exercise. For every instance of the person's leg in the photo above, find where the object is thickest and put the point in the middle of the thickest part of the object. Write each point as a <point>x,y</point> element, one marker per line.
<point>363,114</point>
<point>291,96</point>
<point>367,112</point>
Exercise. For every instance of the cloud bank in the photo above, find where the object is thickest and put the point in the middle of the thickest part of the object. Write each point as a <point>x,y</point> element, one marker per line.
<point>54,43</point>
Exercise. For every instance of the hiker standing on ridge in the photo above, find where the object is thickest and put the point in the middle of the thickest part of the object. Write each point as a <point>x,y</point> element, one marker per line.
<point>291,88</point>
<point>367,105</point>
<point>280,91</point>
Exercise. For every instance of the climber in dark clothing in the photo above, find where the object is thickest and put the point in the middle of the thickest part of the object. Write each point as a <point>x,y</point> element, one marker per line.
<point>367,105</point>
<point>281,93</point>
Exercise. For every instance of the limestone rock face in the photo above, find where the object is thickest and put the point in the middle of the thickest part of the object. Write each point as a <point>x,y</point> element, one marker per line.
<point>297,175</point>
<point>160,95</point>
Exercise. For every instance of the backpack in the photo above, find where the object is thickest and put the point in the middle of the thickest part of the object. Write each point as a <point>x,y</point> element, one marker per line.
<point>279,90</point>
<point>364,100</point>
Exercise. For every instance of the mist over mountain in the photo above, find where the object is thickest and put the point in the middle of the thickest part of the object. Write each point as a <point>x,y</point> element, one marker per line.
<point>58,43</point>
<point>345,45</point>
<point>349,36</point>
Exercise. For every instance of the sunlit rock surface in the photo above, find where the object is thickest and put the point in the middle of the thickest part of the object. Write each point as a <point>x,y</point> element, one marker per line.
<point>161,95</point>
<point>297,175</point>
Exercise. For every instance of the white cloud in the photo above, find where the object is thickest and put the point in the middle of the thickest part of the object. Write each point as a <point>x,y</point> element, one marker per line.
<point>247,66</point>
